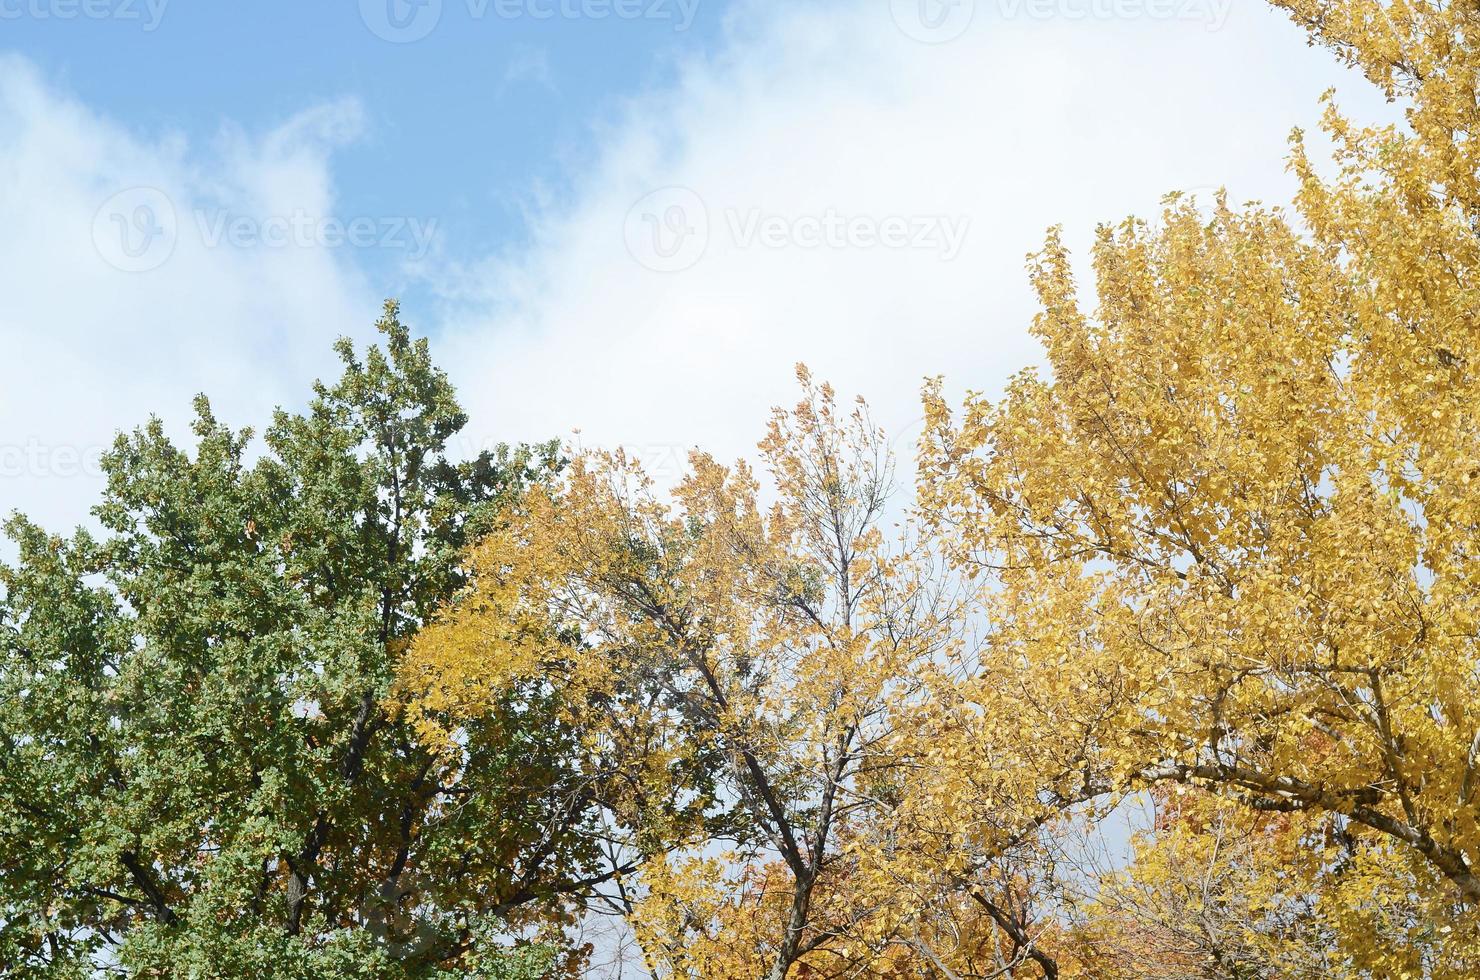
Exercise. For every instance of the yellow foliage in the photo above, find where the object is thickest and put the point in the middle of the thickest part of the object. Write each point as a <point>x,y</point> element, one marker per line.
<point>744,666</point>
<point>1241,511</point>
<point>1224,553</point>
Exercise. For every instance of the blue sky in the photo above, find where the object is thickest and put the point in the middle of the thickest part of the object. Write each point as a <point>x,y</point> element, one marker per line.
<point>616,232</point>
<point>463,124</point>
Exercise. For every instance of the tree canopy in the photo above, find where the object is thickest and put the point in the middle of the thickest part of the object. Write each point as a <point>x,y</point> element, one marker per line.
<point>200,775</point>
<point>1167,669</point>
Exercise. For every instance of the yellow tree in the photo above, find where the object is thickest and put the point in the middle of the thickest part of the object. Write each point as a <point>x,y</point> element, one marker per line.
<point>1245,496</point>
<point>1209,889</point>
<point>746,662</point>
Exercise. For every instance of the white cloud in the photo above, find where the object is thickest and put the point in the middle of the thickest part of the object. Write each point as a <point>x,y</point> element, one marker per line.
<point>91,347</point>
<point>809,124</point>
<point>529,65</point>
<point>1068,112</point>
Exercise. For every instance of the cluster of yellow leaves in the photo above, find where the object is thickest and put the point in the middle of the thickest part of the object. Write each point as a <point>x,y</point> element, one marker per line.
<point>1207,893</point>
<point>738,672</point>
<point>1242,506</point>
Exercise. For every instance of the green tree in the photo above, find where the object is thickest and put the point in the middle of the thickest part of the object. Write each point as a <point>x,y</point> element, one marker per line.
<point>200,772</point>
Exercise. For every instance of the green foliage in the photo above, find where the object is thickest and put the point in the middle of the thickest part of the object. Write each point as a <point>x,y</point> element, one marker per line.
<point>198,773</point>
